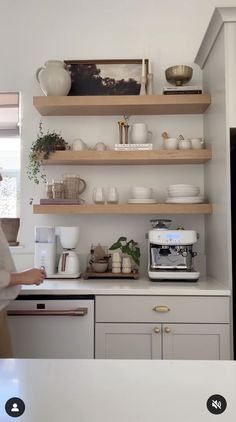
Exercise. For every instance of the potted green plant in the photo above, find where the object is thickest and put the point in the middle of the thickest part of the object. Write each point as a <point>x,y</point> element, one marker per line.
<point>41,148</point>
<point>130,248</point>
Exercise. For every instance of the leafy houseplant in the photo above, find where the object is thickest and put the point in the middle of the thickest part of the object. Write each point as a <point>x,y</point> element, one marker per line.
<point>44,144</point>
<point>130,248</point>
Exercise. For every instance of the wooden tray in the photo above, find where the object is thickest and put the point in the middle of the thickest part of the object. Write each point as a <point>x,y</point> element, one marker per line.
<point>60,201</point>
<point>107,274</point>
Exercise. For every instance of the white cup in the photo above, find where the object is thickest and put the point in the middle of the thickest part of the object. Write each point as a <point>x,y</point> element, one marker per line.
<point>197,143</point>
<point>185,144</point>
<point>140,133</point>
<point>126,270</point>
<point>78,145</point>
<point>170,143</point>
<point>116,257</point>
<point>98,195</point>
<point>116,270</point>
<point>112,195</point>
<point>116,264</point>
<point>126,261</point>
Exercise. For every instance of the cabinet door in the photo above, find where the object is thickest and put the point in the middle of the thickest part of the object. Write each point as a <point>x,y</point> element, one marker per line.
<point>196,341</point>
<point>128,341</point>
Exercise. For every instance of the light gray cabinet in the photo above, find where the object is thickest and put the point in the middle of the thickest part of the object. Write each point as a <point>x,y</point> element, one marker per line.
<point>128,341</point>
<point>151,327</point>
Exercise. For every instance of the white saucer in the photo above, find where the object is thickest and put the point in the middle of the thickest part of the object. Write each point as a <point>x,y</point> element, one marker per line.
<point>185,200</point>
<point>142,201</point>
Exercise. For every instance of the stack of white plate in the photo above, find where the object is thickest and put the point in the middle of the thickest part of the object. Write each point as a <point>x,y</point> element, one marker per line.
<point>184,194</point>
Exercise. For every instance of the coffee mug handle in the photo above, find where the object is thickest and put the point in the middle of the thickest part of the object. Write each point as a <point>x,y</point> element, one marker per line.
<point>83,187</point>
<point>149,135</point>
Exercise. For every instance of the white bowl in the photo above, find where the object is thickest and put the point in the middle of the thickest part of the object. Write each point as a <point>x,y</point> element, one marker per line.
<point>99,267</point>
<point>181,186</point>
<point>140,192</point>
<point>184,192</point>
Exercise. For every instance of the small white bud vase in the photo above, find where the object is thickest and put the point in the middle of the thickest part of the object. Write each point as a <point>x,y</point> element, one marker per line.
<point>54,79</point>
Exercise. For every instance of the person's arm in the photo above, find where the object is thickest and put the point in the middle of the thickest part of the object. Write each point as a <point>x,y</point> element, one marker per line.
<point>32,276</point>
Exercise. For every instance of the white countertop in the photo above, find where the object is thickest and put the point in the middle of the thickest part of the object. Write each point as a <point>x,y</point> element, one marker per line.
<point>204,287</point>
<point>118,390</point>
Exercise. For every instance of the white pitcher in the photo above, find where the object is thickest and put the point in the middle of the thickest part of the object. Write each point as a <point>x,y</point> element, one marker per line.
<point>54,79</point>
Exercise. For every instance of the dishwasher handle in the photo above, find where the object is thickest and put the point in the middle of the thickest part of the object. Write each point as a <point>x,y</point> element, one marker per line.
<point>39,312</point>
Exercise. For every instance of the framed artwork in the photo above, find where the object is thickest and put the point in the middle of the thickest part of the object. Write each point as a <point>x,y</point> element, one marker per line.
<point>106,77</point>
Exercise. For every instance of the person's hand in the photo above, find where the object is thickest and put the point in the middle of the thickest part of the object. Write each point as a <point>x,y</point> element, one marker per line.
<point>31,276</point>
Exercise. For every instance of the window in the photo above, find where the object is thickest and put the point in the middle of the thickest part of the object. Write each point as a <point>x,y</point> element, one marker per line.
<point>10,171</point>
<point>9,155</point>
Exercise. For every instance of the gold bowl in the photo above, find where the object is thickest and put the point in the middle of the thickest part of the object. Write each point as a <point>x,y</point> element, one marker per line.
<point>179,75</point>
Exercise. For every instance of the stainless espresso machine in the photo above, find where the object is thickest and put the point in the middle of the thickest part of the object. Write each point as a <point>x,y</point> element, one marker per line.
<point>170,253</point>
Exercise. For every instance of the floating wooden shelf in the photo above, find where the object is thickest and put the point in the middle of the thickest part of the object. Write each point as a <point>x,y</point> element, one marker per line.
<point>89,157</point>
<point>124,209</point>
<point>121,105</point>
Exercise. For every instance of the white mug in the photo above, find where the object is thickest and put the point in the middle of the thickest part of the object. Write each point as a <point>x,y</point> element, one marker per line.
<point>78,145</point>
<point>197,143</point>
<point>170,143</point>
<point>140,133</point>
<point>98,195</point>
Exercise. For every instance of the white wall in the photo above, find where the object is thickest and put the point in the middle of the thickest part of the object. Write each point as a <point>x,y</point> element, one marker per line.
<point>167,32</point>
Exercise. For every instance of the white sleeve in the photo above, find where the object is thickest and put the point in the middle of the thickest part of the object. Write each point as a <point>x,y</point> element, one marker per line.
<point>6,262</point>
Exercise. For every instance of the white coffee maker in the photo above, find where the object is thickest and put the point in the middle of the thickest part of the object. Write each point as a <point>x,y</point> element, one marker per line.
<point>68,266</point>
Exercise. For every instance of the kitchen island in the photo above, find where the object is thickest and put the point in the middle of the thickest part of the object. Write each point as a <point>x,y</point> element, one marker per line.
<point>129,391</point>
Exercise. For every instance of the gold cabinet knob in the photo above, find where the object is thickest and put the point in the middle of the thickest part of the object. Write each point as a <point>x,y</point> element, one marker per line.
<point>157,330</point>
<point>167,330</point>
<point>161,308</point>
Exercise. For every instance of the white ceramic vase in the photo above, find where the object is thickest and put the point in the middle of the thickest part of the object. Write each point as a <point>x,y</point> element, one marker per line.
<point>54,79</point>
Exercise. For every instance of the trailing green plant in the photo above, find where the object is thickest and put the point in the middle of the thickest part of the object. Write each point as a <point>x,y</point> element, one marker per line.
<point>130,248</point>
<point>44,144</point>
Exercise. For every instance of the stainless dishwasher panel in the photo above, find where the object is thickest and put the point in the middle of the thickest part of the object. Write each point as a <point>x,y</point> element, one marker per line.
<point>53,328</point>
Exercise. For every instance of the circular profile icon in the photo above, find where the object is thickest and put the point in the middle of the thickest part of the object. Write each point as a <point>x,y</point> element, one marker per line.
<point>216,404</point>
<point>15,407</point>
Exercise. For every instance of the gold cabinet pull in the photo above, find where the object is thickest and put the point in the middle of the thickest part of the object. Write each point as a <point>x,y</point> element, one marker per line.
<point>156,330</point>
<point>167,330</point>
<point>161,308</point>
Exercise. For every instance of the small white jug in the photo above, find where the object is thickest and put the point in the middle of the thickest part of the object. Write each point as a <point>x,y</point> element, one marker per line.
<point>140,133</point>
